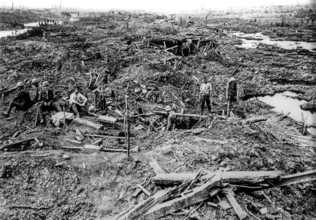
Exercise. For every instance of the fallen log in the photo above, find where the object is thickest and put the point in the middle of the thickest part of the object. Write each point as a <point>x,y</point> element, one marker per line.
<point>88,123</point>
<point>17,144</point>
<point>230,176</point>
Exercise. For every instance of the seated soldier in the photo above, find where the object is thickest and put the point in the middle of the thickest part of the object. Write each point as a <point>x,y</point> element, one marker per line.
<point>36,85</point>
<point>77,101</point>
<point>47,101</point>
<point>21,102</point>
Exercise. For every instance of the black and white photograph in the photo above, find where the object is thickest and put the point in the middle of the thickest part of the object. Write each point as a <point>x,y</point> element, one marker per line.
<point>157,110</point>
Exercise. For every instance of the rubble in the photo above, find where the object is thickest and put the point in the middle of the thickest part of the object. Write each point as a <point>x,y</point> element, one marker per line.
<point>119,159</point>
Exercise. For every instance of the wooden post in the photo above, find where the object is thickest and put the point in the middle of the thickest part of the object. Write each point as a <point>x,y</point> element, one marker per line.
<point>127,137</point>
<point>127,124</point>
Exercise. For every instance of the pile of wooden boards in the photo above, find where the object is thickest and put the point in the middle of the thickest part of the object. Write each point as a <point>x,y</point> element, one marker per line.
<point>183,190</point>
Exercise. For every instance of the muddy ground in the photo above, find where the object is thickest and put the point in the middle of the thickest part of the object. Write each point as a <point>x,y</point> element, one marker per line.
<point>48,182</point>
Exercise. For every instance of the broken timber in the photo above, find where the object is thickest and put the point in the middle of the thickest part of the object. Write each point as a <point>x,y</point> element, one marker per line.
<point>254,120</point>
<point>88,123</point>
<point>144,190</point>
<point>197,195</point>
<point>17,144</point>
<point>230,176</point>
<point>296,178</point>
<point>229,194</point>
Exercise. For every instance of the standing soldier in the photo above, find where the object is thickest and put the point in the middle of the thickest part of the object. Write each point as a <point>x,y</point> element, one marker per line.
<point>205,95</point>
<point>231,94</point>
<point>21,102</point>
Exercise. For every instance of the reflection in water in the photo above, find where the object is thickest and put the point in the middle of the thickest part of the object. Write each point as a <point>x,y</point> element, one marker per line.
<point>285,103</point>
<point>257,38</point>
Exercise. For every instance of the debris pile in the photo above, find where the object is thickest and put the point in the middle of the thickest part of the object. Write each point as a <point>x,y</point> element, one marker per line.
<point>140,149</point>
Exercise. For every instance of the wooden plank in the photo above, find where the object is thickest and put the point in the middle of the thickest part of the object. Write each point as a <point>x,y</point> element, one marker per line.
<point>157,169</point>
<point>107,119</point>
<point>73,141</point>
<point>190,115</point>
<point>229,194</point>
<point>113,150</point>
<point>297,178</point>
<point>105,136</point>
<point>17,144</point>
<point>230,176</point>
<point>197,195</point>
<point>254,120</point>
<point>144,190</point>
<point>88,123</point>
<point>71,148</point>
<point>91,147</point>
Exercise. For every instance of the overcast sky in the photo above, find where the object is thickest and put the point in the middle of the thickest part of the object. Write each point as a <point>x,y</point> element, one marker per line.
<point>150,5</point>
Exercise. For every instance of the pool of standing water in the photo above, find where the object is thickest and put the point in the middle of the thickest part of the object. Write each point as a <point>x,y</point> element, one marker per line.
<point>286,103</point>
<point>253,40</point>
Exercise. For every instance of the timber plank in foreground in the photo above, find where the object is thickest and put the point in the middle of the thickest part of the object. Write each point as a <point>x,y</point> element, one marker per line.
<point>230,176</point>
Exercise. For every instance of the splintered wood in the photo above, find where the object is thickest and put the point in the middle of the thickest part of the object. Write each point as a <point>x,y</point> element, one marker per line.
<point>196,188</point>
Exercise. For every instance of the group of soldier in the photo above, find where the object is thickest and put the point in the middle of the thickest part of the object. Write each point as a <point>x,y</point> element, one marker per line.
<point>206,91</point>
<point>45,100</point>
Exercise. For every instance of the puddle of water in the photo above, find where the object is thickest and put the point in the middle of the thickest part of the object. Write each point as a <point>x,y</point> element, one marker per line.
<point>21,31</point>
<point>257,38</point>
<point>285,103</point>
<point>12,33</point>
<point>33,24</point>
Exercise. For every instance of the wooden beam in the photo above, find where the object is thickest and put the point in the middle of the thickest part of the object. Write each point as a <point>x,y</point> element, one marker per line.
<point>104,136</point>
<point>113,150</point>
<point>254,120</point>
<point>190,115</point>
<point>107,119</point>
<point>88,123</point>
<point>157,169</point>
<point>297,178</point>
<point>230,176</point>
<point>144,190</point>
